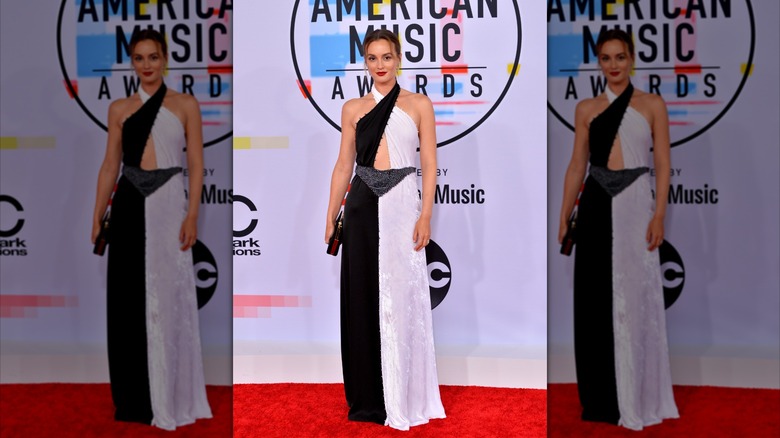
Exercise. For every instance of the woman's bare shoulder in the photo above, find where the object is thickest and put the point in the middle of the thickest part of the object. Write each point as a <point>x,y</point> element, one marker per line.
<point>122,108</point>
<point>125,102</point>
<point>184,101</point>
<point>354,106</point>
<point>415,98</point>
<point>592,106</point>
<point>649,101</point>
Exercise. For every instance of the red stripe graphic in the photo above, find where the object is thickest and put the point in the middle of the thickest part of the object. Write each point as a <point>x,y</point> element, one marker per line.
<point>220,69</point>
<point>461,102</point>
<point>691,69</point>
<point>455,69</point>
<point>25,306</point>
<point>75,84</point>
<point>259,306</point>
<point>307,83</point>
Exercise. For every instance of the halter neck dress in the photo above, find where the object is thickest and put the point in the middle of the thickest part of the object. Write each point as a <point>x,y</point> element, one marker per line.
<point>387,350</point>
<point>621,350</point>
<point>154,352</point>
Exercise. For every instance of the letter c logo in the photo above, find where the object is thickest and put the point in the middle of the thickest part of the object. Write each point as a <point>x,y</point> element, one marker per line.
<point>19,223</point>
<point>253,223</point>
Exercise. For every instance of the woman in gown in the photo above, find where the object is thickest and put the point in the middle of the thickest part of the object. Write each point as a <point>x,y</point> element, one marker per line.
<point>620,344</point>
<point>387,351</point>
<point>154,352</point>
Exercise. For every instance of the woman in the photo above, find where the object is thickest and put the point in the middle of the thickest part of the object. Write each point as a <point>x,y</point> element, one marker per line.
<point>620,342</point>
<point>386,332</point>
<point>154,353</point>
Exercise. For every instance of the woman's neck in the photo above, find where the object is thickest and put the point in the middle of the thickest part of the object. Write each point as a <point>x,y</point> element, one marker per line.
<point>383,89</point>
<point>619,87</point>
<point>151,88</point>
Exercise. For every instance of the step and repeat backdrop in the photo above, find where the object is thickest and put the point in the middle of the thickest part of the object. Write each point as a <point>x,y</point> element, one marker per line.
<point>482,63</point>
<point>716,66</point>
<point>63,62</point>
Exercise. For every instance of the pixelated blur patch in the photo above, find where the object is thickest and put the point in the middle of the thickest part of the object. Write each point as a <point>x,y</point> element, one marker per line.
<point>94,52</point>
<point>28,306</point>
<point>259,306</point>
<point>326,54</point>
<point>32,142</point>
<point>267,142</point>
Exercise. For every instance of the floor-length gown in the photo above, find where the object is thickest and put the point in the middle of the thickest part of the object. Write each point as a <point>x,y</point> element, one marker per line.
<point>154,353</point>
<point>386,330</point>
<point>621,350</point>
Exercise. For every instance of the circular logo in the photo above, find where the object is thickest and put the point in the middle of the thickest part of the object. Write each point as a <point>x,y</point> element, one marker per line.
<point>238,199</point>
<point>439,273</point>
<point>206,273</point>
<point>697,58</point>
<point>93,42</point>
<point>672,273</point>
<point>17,224</point>
<point>443,55</point>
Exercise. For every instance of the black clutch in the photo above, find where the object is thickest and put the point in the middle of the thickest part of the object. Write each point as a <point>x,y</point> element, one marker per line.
<point>335,239</point>
<point>571,235</point>
<point>101,242</point>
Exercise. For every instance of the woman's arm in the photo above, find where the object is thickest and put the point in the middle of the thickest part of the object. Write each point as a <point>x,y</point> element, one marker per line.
<point>342,171</point>
<point>663,167</point>
<point>577,166</point>
<point>194,132</point>
<point>109,170</point>
<point>422,230</point>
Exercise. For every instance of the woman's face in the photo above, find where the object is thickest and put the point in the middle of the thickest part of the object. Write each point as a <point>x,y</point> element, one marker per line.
<point>615,61</point>
<point>382,61</point>
<point>148,61</point>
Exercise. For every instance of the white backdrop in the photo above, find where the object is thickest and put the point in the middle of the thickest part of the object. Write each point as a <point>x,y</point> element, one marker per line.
<point>490,329</point>
<point>52,288</point>
<point>724,327</point>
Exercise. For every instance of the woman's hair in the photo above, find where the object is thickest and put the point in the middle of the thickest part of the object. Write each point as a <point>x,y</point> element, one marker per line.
<point>382,34</point>
<point>615,34</point>
<point>149,34</point>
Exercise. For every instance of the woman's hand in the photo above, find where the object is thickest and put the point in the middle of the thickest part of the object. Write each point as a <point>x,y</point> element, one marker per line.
<point>189,232</point>
<point>422,233</point>
<point>562,229</point>
<point>329,228</point>
<point>655,233</point>
<point>95,231</point>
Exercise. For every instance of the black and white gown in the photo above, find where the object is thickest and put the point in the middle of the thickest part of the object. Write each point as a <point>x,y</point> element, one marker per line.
<point>387,349</point>
<point>154,352</point>
<point>620,339</point>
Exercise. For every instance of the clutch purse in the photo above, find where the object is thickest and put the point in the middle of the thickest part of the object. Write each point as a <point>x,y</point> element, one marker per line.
<point>571,235</point>
<point>101,242</point>
<point>335,239</point>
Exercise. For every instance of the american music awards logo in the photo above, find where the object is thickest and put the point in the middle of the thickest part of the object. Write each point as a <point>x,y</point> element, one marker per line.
<point>696,54</point>
<point>93,42</point>
<point>463,55</point>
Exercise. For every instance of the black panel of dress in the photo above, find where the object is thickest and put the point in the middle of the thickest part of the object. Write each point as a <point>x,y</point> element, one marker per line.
<point>360,338</point>
<point>594,347</point>
<point>126,278</point>
<point>137,127</point>
<point>371,127</point>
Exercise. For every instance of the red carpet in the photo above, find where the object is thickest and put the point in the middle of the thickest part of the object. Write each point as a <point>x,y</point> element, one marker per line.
<point>86,410</point>
<point>319,410</point>
<point>705,411</point>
